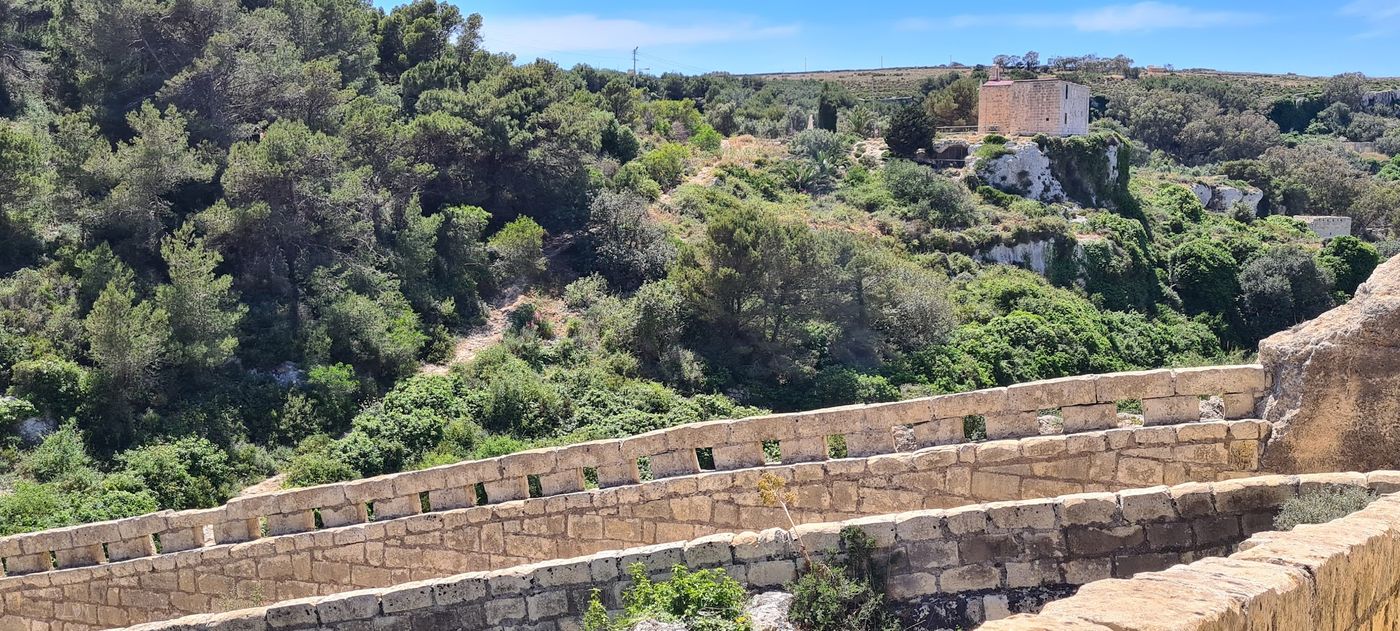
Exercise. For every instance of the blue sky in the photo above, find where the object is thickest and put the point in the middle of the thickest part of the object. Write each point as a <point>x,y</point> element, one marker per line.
<point>1313,38</point>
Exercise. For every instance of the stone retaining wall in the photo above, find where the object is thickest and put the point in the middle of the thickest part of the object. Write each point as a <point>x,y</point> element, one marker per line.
<point>973,553</point>
<point>1338,576</point>
<point>1084,403</point>
<point>442,543</point>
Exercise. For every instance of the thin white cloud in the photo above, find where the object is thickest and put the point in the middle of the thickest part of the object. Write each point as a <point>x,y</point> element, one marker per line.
<point>1118,18</point>
<point>585,32</point>
<point>1379,17</point>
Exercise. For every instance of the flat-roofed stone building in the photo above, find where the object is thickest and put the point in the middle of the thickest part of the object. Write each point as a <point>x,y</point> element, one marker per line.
<point>1034,106</point>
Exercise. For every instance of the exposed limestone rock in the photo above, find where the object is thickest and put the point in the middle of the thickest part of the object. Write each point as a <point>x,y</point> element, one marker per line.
<point>1034,255</point>
<point>1335,402</point>
<point>1025,171</point>
<point>1222,198</point>
<point>769,611</point>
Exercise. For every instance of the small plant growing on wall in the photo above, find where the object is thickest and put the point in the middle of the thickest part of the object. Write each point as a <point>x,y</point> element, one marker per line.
<point>702,600</point>
<point>843,597</point>
<point>1317,507</point>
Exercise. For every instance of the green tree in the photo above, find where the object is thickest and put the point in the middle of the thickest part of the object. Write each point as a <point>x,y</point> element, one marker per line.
<point>518,252</point>
<point>827,103</point>
<point>204,314</point>
<point>954,105</point>
<point>1351,261</point>
<point>628,246</point>
<point>1280,287</point>
<point>1203,273</point>
<point>909,131</point>
<point>127,342</point>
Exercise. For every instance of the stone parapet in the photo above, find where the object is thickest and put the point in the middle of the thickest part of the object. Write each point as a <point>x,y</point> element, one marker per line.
<point>1340,575</point>
<point>971,553</point>
<point>1166,396</point>
<point>442,542</point>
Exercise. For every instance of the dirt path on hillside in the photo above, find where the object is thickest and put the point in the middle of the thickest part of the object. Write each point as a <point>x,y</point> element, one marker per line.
<point>480,337</point>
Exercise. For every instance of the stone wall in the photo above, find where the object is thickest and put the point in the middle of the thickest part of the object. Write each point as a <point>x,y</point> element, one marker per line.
<point>1341,575</point>
<point>1084,403</point>
<point>972,554</point>
<point>417,547</point>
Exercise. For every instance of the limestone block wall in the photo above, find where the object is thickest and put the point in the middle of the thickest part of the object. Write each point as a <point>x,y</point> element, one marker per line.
<point>972,553</point>
<point>994,107</point>
<point>1084,403</point>
<point>1338,576</point>
<point>440,543</point>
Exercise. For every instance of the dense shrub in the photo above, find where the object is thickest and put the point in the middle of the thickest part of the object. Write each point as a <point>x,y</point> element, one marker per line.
<point>929,196</point>
<point>1350,260</point>
<point>186,473</point>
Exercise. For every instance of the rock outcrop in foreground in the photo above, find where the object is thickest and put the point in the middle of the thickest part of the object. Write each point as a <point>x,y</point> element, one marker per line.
<point>1335,403</point>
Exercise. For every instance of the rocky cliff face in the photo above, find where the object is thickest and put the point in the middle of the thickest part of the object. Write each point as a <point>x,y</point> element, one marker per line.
<point>1335,403</point>
<point>1088,170</point>
<point>1025,172</point>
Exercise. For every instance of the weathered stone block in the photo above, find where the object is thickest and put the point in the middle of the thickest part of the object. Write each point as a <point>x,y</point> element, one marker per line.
<point>870,442</point>
<point>909,586</point>
<point>1095,541</point>
<point>1130,565</point>
<point>1169,410</point>
<point>943,431</point>
<point>1051,393</point>
<point>1241,405</point>
<point>1193,499</point>
<point>673,463</point>
<point>771,573</point>
<point>507,489</point>
<point>80,556</point>
<point>547,605</point>
<point>1024,514</point>
<point>829,421</point>
<point>813,449</point>
<point>288,523</point>
<point>618,474</point>
<point>1221,379</point>
<point>1147,504</point>
<point>1012,425</point>
<point>589,454</point>
<point>1172,535</point>
<point>291,614</point>
<point>1124,386</point>
<point>234,531</point>
<point>1088,508</point>
<point>1243,496</point>
<point>343,607</point>
<point>1081,418</point>
<point>395,507</point>
<point>969,578</point>
<point>1033,573</point>
<point>28,564</point>
<point>906,412</point>
<point>978,402</point>
<point>133,548</point>
<point>738,456</point>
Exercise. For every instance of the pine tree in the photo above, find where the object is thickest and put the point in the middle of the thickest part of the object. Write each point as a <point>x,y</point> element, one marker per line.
<point>909,131</point>
<point>203,312</point>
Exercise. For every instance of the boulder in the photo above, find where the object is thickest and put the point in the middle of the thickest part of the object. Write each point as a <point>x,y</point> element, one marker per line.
<point>769,611</point>
<point>1335,399</point>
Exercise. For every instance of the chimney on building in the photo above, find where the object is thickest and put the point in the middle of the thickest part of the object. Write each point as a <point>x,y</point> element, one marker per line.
<point>994,74</point>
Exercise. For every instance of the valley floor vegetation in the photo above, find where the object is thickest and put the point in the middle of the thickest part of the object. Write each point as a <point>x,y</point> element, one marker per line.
<point>235,254</point>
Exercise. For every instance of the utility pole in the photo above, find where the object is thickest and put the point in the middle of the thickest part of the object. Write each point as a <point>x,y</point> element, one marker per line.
<point>634,65</point>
